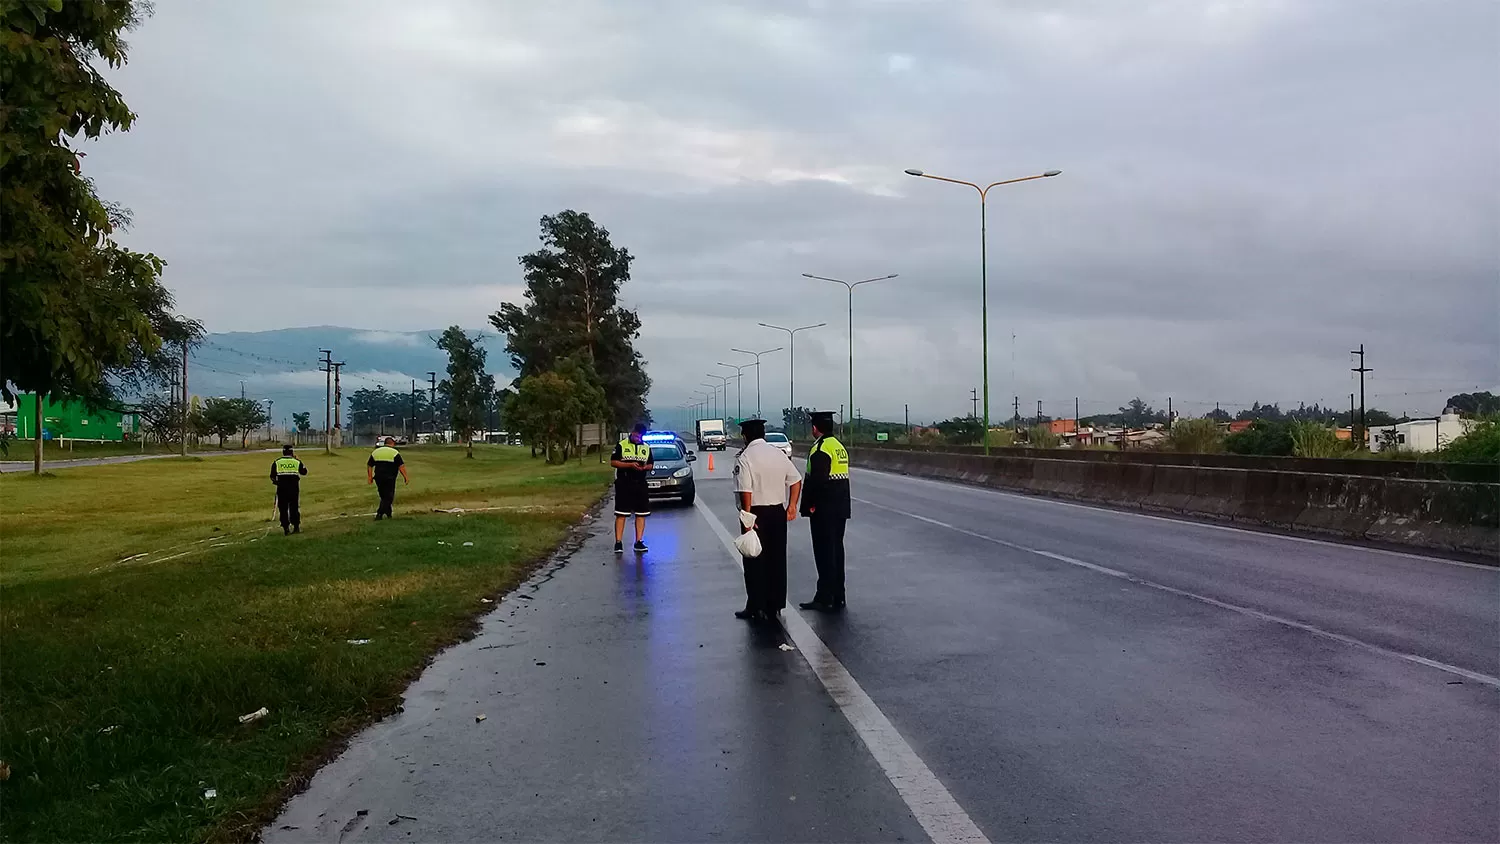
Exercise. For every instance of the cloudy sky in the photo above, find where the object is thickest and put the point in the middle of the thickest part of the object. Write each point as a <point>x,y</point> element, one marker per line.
<point>1249,189</point>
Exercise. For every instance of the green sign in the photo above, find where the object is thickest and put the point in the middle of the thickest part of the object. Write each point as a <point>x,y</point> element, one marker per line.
<point>882,437</point>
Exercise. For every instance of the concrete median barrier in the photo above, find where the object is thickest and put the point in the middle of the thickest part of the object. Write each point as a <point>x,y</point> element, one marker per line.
<point>1444,515</point>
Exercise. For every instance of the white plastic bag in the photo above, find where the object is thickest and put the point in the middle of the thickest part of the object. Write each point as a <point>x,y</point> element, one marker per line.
<point>748,543</point>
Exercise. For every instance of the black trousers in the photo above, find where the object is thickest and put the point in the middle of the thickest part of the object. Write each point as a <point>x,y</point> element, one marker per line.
<point>387,488</point>
<point>287,496</point>
<point>765,576</point>
<point>828,554</point>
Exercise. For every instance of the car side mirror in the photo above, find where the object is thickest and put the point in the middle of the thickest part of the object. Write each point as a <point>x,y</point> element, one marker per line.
<point>691,457</point>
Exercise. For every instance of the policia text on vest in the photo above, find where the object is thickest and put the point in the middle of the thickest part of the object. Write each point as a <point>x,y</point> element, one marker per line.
<point>286,474</point>
<point>825,501</point>
<point>381,469</point>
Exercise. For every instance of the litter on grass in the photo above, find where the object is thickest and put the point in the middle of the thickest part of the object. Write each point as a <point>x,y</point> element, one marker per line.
<point>255,716</point>
<point>468,545</point>
<point>210,793</point>
<point>358,641</point>
<point>107,730</point>
<point>485,601</point>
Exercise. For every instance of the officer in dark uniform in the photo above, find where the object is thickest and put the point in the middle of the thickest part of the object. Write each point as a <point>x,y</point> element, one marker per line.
<point>632,462</point>
<point>381,469</point>
<point>825,502</point>
<point>286,474</point>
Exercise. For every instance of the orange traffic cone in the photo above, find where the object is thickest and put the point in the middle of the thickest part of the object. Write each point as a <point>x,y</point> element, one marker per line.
<point>710,461</point>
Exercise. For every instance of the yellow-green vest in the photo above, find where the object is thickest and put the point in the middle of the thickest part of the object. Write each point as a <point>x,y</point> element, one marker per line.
<point>838,469</point>
<point>632,451</point>
<point>384,454</point>
<point>288,466</point>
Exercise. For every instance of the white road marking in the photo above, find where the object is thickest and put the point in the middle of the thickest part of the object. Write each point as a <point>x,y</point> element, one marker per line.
<point>1242,610</point>
<point>934,808</point>
<point>1043,499</point>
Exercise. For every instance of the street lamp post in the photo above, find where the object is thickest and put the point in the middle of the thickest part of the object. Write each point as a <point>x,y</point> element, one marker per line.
<point>739,378</point>
<point>715,393</point>
<point>984,313</point>
<point>723,382</point>
<point>757,355</point>
<point>850,285</point>
<point>791,342</point>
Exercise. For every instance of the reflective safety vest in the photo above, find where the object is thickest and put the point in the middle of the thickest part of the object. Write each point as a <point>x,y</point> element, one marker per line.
<point>288,466</point>
<point>384,454</point>
<point>640,453</point>
<point>838,469</point>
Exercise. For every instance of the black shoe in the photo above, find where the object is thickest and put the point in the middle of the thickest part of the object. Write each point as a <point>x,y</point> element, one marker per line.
<point>379,516</point>
<point>748,614</point>
<point>296,528</point>
<point>619,548</point>
<point>815,604</point>
<point>286,531</point>
<point>640,547</point>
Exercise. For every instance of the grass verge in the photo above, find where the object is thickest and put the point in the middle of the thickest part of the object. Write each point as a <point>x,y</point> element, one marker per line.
<point>146,606</point>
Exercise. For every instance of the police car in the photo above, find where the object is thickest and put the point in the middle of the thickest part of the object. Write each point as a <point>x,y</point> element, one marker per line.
<point>672,474</point>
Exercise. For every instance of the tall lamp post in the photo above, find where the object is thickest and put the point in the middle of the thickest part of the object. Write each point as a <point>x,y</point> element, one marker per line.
<point>739,380</point>
<point>850,285</point>
<point>757,355</point>
<point>791,342</point>
<point>714,391</point>
<point>984,313</point>
<point>723,382</point>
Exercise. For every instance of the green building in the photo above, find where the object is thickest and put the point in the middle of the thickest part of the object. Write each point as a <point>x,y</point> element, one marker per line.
<point>67,419</point>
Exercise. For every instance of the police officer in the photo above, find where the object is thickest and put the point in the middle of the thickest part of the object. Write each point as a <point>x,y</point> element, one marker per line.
<point>826,504</point>
<point>767,484</point>
<point>381,469</point>
<point>286,474</point>
<point>632,462</point>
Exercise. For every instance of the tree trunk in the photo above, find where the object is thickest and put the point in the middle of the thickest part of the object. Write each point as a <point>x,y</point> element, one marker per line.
<point>36,465</point>
<point>469,455</point>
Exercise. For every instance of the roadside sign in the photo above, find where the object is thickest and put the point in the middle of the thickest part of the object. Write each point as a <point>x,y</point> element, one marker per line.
<point>882,437</point>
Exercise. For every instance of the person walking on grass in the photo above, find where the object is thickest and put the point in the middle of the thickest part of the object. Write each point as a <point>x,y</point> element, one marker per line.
<point>632,462</point>
<point>381,469</point>
<point>286,474</point>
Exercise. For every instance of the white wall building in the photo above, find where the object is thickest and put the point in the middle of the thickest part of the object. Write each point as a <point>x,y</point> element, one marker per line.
<point>1422,434</point>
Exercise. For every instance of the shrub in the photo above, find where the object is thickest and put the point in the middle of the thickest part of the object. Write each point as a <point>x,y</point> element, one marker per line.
<point>1262,437</point>
<point>1310,439</point>
<point>1195,436</point>
<point>1041,436</point>
<point>1480,445</point>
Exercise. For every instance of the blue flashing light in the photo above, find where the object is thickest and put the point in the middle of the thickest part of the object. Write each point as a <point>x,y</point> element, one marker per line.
<point>658,437</point>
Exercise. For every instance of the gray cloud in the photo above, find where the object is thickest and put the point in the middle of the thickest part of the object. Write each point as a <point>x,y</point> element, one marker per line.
<point>1250,189</point>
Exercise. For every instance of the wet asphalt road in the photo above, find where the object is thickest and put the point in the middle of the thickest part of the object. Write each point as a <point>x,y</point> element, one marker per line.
<point>1068,673</point>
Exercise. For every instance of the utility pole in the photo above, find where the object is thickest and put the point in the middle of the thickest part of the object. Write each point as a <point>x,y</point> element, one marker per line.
<point>974,401</point>
<point>184,403</point>
<point>1351,421</point>
<point>1015,415</point>
<point>327,366</point>
<point>413,410</point>
<point>1361,369</point>
<point>1169,413</point>
<point>338,403</point>
<point>1075,420</point>
<point>1038,411</point>
<point>908,423</point>
<point>242,388</point>
<point>432,399</point>
<point>270,420</point>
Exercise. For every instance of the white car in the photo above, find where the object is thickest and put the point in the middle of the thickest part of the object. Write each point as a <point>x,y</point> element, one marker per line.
<point>780,441</point>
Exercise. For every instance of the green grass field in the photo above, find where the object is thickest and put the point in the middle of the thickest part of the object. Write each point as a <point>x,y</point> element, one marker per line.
<point>21,450</point>
<point>146,606</point>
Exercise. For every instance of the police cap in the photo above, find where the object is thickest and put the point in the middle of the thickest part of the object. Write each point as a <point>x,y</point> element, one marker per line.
<point>823,419</point>
<point>753,429</point>
<point>286,449</point>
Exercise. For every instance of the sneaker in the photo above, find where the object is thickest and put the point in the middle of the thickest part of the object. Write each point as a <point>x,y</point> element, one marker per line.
<point>640,548</point>
<point>619,548</point>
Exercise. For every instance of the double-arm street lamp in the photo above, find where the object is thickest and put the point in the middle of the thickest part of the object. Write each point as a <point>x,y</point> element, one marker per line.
<point>791,342</point>
<point>850,285</point>
<point>723,382</point>
<point>739,390</point>
<point>757,355</point>
<point>984,314</point>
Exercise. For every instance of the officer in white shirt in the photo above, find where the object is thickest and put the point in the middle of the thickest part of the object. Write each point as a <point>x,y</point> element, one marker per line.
<point>768,485</point>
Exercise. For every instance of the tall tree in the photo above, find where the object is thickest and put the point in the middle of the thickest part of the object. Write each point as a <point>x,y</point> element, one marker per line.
<point>1475,404</point>
<point>572,308</point>
<point>467,387</point>
<point>80,315</point>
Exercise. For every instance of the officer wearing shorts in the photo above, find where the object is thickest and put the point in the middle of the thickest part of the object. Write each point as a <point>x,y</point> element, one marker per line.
<point>632,462</point>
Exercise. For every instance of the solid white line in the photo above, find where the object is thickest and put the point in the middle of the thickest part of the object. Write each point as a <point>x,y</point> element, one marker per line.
<point>1043,499</point>
<point>934,808</point>
<point>1253,613</point>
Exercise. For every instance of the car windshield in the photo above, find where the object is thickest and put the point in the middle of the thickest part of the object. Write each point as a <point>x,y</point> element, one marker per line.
<point>775,438</point>
<point>665,452</point>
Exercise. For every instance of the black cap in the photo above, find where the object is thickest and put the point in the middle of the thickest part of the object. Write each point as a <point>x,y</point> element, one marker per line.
<point>823,419</point>
<point>753,429</point>
<point>286,449</point>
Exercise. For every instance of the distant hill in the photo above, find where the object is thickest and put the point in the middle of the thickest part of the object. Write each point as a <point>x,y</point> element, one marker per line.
<point>282,365</point>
